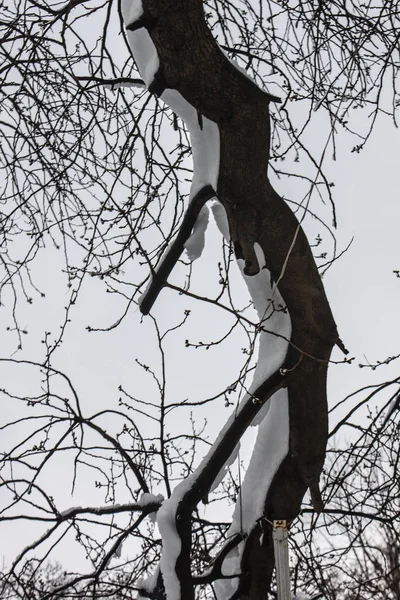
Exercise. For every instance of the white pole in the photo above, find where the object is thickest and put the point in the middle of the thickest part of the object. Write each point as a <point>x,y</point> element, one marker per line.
<point>281,551</point>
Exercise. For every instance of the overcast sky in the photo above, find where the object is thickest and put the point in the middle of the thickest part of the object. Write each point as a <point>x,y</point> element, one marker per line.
<point>362,289</point>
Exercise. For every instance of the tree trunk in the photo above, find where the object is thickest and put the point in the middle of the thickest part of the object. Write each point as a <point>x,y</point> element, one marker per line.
<point>192,63</point>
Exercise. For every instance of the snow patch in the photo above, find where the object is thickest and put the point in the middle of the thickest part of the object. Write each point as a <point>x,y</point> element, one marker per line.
<point>204,140</point>
<point>147,498</point>
<point>221,219</point>
<point>123,84</point>
<point>275,323</point>
<point>145,54</point>
<point>195,243</point>
<point>143,50</point>
<point>271,447</point>
<point>132,10</point>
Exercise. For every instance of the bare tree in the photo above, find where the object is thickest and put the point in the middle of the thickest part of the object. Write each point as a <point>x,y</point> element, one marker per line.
<point>95,154</point>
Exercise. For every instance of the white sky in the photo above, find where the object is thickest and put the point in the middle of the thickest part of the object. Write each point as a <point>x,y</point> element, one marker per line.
<point>362,289</point>
<point>363,292</point>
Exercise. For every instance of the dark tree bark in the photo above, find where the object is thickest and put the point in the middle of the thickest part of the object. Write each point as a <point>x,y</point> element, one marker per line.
<point>192,63</point>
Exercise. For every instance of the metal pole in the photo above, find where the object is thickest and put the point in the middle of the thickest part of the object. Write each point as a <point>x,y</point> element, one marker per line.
<point>281,551</point>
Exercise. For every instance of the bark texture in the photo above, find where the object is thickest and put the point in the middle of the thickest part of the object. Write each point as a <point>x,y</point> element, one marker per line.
<point>192,63</point>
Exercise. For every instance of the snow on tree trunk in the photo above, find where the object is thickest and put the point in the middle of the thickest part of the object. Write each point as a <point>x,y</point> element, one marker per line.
<point>227,115</point>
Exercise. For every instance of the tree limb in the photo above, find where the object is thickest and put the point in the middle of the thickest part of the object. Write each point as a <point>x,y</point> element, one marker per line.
<point>174,253</point>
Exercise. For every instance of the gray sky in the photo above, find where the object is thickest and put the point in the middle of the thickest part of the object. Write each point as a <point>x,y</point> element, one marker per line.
<point>363,292</point>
